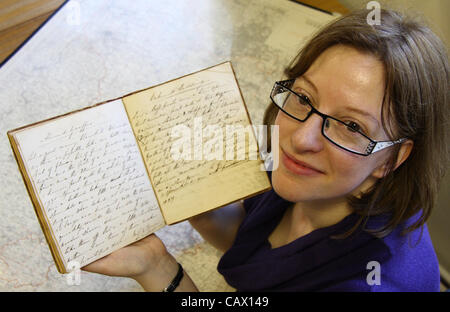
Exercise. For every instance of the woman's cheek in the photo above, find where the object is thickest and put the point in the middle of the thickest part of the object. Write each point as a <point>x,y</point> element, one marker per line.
<point>351,172</point>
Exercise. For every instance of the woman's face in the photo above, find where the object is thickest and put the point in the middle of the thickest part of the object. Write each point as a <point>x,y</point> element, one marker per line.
<point>348,85</point>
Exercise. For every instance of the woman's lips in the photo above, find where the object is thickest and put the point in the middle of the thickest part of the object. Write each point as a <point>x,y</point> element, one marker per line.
<point>298,167</point>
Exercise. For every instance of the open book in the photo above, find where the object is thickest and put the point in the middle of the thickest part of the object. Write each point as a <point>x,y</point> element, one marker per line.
<point>110,174</point>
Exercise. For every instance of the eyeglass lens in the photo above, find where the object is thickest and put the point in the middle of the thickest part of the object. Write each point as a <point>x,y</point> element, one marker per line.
<point>336,131</point>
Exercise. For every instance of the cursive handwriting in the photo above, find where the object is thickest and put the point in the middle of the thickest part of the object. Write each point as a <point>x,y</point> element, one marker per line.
<point>90,179</point>
<point>217,101</point>
<point>186,187</point>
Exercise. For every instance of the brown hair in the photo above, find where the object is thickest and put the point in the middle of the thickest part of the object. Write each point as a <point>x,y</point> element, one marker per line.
<point>415,106</point>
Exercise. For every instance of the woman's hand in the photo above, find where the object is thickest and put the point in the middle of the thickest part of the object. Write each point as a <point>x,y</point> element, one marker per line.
<point>219,227</point>
<point>147,261</point>
<point>147,256</point>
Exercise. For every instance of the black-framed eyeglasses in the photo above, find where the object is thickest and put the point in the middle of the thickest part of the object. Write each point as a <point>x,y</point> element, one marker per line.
<point>347,136</point>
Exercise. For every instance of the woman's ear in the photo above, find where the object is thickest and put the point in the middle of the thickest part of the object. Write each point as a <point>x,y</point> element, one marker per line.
<point>403,154</point>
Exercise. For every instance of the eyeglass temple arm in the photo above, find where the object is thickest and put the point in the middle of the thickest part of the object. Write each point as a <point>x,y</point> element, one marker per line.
<point>383,144</point>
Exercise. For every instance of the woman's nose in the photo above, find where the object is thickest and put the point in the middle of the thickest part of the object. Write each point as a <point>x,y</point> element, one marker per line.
<point>308,135</point>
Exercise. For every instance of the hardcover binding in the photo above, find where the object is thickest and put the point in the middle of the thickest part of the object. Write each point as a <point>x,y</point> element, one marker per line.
<point>46,229</point>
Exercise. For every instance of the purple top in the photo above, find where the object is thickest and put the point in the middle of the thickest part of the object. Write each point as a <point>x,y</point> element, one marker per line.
<point>316,262</point>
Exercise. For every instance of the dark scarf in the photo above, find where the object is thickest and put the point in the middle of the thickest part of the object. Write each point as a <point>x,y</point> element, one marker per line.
<point>313,262</point>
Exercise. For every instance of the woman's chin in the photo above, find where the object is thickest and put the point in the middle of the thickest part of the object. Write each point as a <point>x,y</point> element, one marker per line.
<point>284,187</point>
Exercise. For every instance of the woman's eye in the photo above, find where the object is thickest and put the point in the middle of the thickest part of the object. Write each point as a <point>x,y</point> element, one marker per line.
<point>303,100</point>
<point>353,126</point>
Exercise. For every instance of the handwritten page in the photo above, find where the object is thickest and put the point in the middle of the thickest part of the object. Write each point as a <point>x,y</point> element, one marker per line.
<point>204,175</point>
<point>89,177</point>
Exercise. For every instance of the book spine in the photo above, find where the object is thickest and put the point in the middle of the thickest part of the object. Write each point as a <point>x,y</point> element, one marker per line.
<point>46,229</point>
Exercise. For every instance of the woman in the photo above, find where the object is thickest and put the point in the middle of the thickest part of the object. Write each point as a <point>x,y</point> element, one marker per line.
<point>362,149</point>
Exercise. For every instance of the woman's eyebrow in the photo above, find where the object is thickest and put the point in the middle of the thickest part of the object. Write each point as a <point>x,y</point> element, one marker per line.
<point>309,82</point>
<point>362,113</point>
